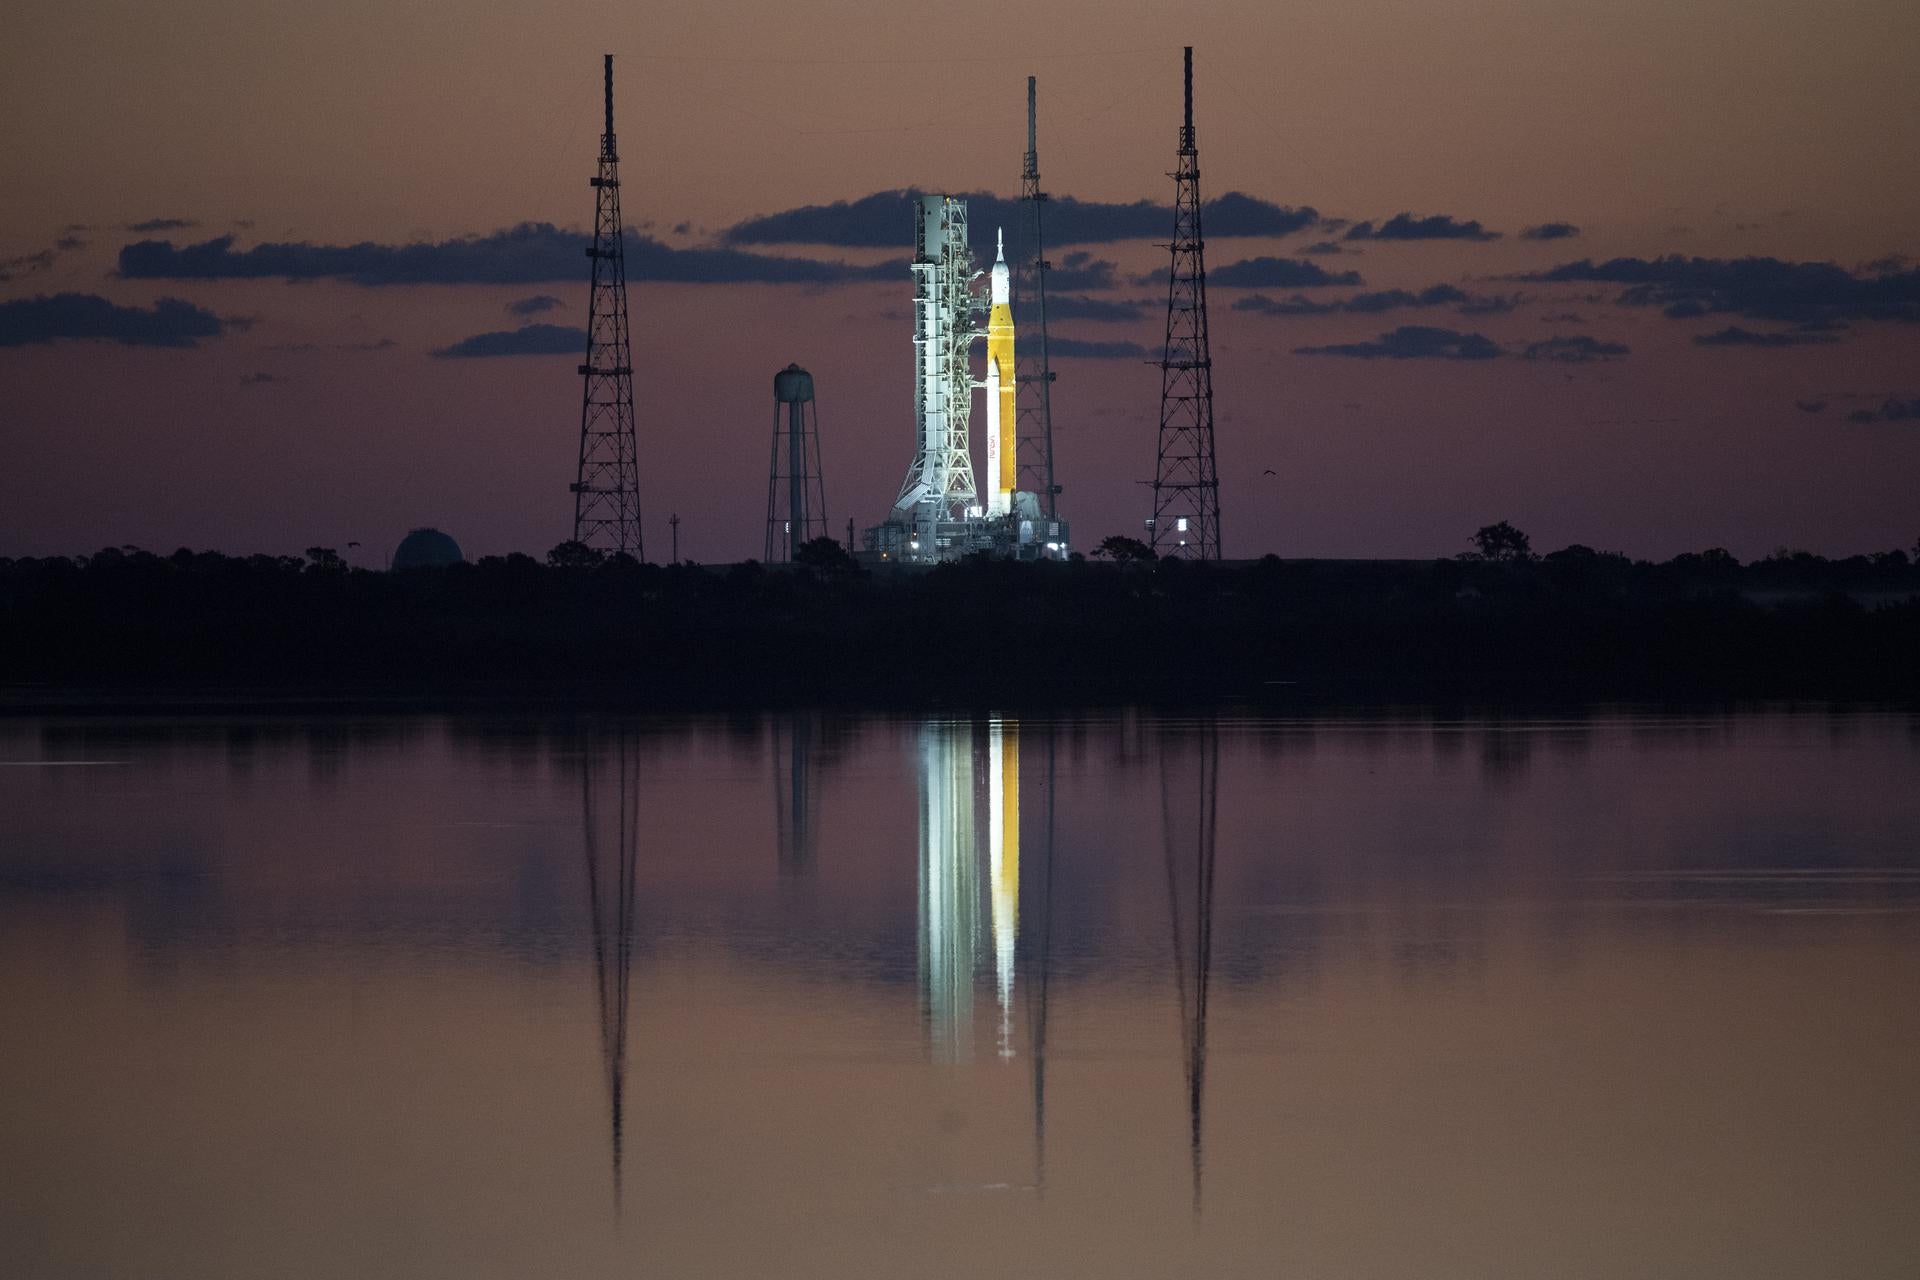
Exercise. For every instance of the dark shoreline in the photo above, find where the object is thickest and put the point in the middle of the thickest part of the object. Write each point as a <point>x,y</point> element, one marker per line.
<point>195,631</point>
<point>226,705</point>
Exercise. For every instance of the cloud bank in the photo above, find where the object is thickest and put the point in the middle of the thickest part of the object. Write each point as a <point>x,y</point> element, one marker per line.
<point>527,340</point>
<point>1579,349</point>
<point>1075,349</point>
<point>1405,226</point>
<point>169,322</point>
<point>530,253</point>
<point>884,220</point>
<point>1413,342</point>
<point>1273,273</point>
<point>1735,336</point>
<point>1892,410</point>
<point>1809,294</point>
<point>1439,295</point>
<point>39,260</point>
<point>1081,270</point>
<point>538,304</point>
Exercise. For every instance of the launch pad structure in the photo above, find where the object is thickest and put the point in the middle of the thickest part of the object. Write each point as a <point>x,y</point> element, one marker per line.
<point>942,512</point>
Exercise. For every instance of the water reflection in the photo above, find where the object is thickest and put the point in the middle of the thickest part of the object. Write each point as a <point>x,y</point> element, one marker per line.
<point>1042,966</point>
<point>1003,862</point>
<point>1512,993</point>
<point>969,814</point>
<point>610,913</point>
<point>1189,825</point>
<point>970,781</point>
<point>949,889</point>
<point>795,737</point>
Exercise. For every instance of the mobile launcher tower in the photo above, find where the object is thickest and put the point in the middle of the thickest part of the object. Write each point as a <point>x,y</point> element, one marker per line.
<point>940,513</point>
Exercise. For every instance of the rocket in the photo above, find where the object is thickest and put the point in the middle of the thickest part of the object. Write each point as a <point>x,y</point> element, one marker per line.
<point>1002,464</point>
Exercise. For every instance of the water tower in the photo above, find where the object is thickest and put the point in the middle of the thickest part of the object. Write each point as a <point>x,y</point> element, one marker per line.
<point>796,497</point>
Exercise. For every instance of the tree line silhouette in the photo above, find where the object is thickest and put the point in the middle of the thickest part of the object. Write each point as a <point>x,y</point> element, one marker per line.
<point>1496,621</point>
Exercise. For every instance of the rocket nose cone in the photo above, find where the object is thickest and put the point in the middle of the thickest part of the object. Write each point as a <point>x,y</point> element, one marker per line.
<point>1001,277</point>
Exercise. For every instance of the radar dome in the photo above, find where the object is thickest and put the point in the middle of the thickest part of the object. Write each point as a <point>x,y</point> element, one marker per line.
<point>426,549</point>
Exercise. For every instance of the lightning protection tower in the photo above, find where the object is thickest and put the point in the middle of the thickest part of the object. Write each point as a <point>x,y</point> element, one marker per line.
<point>793,475</point>
<point>606,490</point>
<point>1034,414</point>
<point>1186,487</point>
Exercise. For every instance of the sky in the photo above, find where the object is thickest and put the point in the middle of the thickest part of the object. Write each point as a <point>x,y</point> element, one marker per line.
<point>1629,274</point>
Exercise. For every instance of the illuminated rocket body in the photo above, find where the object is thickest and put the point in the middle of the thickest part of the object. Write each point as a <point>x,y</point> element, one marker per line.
<point>1001,386</point>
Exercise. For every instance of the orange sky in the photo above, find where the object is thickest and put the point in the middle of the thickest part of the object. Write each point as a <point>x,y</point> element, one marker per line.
<point>1722,130</point>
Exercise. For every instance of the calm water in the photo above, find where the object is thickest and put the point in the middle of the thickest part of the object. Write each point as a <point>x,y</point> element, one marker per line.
<point>1392,996</point>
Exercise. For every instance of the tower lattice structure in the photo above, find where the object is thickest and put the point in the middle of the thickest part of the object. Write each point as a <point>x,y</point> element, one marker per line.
<point>606,490</point>
<point>1186,485</point>
<point>1034,412</point>
<point>940,484</point>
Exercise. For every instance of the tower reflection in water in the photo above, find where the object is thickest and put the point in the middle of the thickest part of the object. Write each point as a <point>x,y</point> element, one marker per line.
<point>949,886</point>
<point>795,736</point>
<point>1189,810</point>
<point>969,900</point>
<point>610,910</point>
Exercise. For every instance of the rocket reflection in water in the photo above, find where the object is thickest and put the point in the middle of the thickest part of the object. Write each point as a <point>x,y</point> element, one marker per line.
<point>1003,862</point>
<point>969,789</point>
<point>970,813</point>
